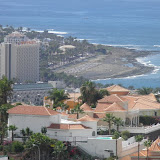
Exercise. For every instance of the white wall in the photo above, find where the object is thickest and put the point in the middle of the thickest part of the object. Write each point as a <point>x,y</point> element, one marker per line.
<point>34,122</point>
<point>61,133</point>
<point>97,147</point>
<point>91,124</point>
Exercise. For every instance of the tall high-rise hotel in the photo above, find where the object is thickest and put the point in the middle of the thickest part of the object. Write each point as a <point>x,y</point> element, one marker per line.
<point>19,58</point>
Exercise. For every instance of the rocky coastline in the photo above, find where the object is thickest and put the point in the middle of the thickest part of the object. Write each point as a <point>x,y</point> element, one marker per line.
<point>118,63</point>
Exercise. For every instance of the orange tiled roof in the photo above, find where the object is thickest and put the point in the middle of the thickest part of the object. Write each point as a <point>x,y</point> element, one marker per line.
<point>143,153</point>
<point>115,107</point>
<point>117,88</point>
<point>86,107</point>
<point>101,107</point>
<point>72,116</point>
<point>155,145</point>
<point>87,118</point>
<point>110,99</point>
<point>68,126</point>
<point>32,110</point>
<point>99,115</point>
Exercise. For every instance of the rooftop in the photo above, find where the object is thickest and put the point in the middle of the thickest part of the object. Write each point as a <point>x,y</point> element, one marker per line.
<point>32,110</point>
<point>67,126</point>
<point>86,118</point>
<point>117,88</point>
<point>86,107</point>
<point>33,86</point>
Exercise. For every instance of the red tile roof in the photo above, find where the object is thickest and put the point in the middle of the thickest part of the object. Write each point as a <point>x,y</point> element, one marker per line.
<point>99,115</point>
<point>86,107</point>
<point>72,116</point>
<point>114,107</point>
<point>67,126</point>
<point>110,99</point>
<point>87,118</point>
<point>101,107</point>
<point>32,110</point>
<point>117,88</point>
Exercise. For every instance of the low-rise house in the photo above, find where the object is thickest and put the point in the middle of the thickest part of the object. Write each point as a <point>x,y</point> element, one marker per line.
<point>36,117</point>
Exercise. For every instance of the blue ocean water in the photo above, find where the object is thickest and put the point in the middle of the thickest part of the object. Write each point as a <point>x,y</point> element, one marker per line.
<point>127,23</point>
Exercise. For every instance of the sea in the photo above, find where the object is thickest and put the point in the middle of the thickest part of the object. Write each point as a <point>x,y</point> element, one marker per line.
<point>131,24</point>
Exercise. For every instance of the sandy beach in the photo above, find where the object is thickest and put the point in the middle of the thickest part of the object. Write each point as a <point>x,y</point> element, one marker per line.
<point>121,62</point>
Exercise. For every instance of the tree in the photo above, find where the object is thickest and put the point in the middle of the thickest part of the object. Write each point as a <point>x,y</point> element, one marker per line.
<point>89,93</point>
<point>118,122</point>
<point>116,135</point>
<point>57,96</point>
<point>145,91</point>
<point>43,130</point>
<point>3,131</point>
<point>3,110</point>
<point>78,110</point>
<point>109,118</point>
<point>147,144</point>
<point>42,141</point>
<point>5,90</point>
<point>139,138</point>
<point>12,128</point>
<point>59,150</point>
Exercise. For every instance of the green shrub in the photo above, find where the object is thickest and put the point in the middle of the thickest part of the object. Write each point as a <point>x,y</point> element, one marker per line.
<point>125,135</point>
<point>17,147</point>
<point>148,120</point>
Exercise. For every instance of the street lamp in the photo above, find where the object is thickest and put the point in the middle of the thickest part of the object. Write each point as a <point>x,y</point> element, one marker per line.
<point>34,145</point>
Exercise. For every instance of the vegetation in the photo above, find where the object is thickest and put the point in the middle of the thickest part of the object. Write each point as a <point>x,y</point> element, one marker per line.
<point>116,136</point>
<point>139,138</point>
<point>12,128</point>
<point>125,135</point>
<point>109,118</point>
<point>147,144</point>
<point>77,110</point>
<point>57,96</point>
<point>118,122</point>
<point>149,120</point>
<point>145,91</point>
<point>89,93</point>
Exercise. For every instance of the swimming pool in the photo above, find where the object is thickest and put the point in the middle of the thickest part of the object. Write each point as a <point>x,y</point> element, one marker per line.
<point>104,138</point>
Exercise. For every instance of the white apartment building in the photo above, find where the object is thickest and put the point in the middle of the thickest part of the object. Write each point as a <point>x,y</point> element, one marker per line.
<point>19,58</point>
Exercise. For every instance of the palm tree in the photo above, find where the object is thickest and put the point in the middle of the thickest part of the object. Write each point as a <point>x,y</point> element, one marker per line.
<point>147,144</point>
<point>78,110</point>
<point>57,96</point>
<point>88,90</point>
<point>59,150</point>
<point>139,138</point>
<point>12,128</point>
<point>109,118</point>
<point>43,130</point>
<point>118,122</point>
<point>3,131</point>
<point>145,91</point>
<point>116,136</point>
<point>3,112</point>
<point>5,90</point>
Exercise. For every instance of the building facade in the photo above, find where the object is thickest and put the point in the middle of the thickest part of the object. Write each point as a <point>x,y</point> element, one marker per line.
<point>19,58</point>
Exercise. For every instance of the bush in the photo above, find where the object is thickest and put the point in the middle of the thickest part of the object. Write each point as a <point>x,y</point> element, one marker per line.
<point>125,135</point>
<point>148,120</point>
<point>17,147</point>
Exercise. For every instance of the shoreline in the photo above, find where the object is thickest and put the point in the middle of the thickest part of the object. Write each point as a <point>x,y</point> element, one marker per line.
<point>112,66</point>
<point>138,68</point>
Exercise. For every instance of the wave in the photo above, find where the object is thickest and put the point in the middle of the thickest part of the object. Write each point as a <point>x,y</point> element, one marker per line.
<point>58,32</point>
<point>156,45</point>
